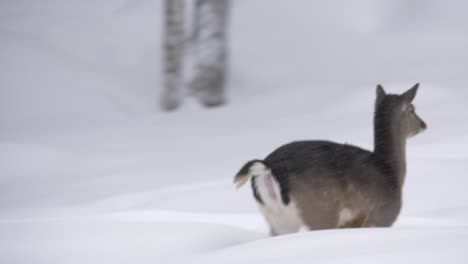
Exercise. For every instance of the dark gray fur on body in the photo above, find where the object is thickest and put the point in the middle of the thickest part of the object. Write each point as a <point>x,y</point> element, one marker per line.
<point>324,177</point>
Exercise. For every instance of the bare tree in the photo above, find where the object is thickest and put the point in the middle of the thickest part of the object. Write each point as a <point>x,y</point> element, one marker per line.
<point>210,30</point>
<point>173,40</point>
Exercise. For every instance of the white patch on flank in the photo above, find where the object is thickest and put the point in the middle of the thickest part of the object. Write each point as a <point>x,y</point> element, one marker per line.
<point>283,219</point>
<point>345,216</point>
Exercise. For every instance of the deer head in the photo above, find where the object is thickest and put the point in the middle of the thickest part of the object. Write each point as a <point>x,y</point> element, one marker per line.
<point>401,111</point>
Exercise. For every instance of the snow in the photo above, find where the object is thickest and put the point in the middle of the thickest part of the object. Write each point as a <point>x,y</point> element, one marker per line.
<point>92,172</point>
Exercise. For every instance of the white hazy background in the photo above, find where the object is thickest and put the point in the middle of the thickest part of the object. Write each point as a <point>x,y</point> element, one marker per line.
<point>91,171</point>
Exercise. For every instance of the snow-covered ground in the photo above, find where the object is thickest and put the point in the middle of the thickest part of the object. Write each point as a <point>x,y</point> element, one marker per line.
<point>92,172</point>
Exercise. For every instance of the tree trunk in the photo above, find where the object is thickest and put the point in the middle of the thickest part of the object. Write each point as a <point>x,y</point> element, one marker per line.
<point>210,22</point>
<point>173,53</point>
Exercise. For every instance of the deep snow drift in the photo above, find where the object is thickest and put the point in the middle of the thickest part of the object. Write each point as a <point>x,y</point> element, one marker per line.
<point>92,172</point>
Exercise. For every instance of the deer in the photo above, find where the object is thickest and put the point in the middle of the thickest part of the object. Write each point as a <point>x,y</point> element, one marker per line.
<point>317,184</point>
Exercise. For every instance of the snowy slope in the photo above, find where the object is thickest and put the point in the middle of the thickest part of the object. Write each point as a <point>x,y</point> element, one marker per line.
<point>91,172</point>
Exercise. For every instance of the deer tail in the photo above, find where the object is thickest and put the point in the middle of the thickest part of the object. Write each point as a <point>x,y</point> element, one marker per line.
<point>250,169</point>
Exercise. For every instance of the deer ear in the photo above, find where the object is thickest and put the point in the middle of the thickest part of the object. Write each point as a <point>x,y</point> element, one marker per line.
<point>409,95</point>
<point>380,93</point>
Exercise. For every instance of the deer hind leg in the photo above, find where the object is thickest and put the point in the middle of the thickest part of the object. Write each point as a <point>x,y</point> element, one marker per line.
<point>273,232</point>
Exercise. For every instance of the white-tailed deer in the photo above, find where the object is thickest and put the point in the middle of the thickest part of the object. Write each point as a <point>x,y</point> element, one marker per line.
<point>310,185</point>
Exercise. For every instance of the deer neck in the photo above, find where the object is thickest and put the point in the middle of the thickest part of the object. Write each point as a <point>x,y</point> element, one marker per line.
<point>390,146</point>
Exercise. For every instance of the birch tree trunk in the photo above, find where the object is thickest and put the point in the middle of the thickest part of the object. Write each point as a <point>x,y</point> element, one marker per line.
<point>173,52</point>
<point>210,29</point>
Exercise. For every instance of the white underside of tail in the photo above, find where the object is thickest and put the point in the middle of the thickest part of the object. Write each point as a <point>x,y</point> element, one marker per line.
<point>283,219</point>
